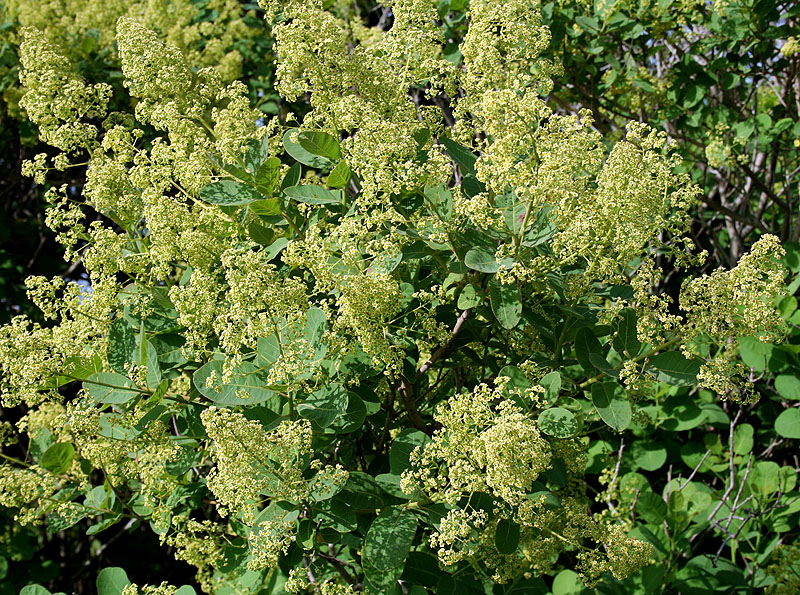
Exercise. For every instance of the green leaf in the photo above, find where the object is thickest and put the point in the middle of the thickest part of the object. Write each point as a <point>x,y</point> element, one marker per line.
<point>625,339</point>
<point>471,186</point>
<point>111,581</point>
<point>121,345</point>
<point>743,439</point>
<point>267,207</point>
<point>764,122</point>
<point>267,175</point>
<point>782,125</point>
<point>644,85</point>
<point>558,422</point>
<point>788,386</point>
<point>506,303</point>
<point>314,195</point>
<point>692,95</point>
<point>588,24</point>
<point>247,385</point>
<point>353,418</point>
<point>110,388</point>
<point>649,456</point>
<point>440,201</point>
<point>301,154</point>
<point>257,153</point>
<point>33,590</point>
<point>389,539</point>
<point>552,386</point>
<point>787,424</point>
<point>615,411</point>
<point>149,357</point>
<point>729,80</point>
<point>320,143</point>
<point>470,297</point>
<point>744,129</point>
<point>481,259</point>
<point>586,344</point>
<point>765,477</point>
<point>292,177</point>
<point>405,442</point>
<point>260,234</point>
<point>229,193</point>
<point>506,537</point>
<point>58,458</point>
<point>567,582</point>
<point>340,176</point>
<point>186,590</point>
<point>323,406</point>
<point>462,155</point>
<point>673,368</point>
<point>316,324</point>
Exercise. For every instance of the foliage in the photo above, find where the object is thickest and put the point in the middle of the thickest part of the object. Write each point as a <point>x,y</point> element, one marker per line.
<point>410,338</point>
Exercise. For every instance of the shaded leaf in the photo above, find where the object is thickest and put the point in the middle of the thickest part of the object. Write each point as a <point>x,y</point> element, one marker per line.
<point>506,303</point>
<point>229,193</point>
<point>313,195</point>
<point>110,388</point>
<point>673,368</point>
<point>389,539</point>
<point>340,176</point>
<point>323,406</point>
<point>558,422</point>
<point>613,410</point>
<point>111,581</point>
<point>300,153</point>
<point>481,259</point>
<point>506,537</point>
<point>58,458</point>
<point>406,441</point>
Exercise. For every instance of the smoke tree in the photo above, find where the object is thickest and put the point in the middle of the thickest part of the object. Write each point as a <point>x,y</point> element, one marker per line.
<point>369,346</point>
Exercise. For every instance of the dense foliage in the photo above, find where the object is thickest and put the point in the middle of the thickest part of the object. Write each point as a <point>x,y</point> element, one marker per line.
<point>370,304</point>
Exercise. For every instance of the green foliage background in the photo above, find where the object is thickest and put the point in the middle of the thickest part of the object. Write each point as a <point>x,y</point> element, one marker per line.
<point>702,480</point>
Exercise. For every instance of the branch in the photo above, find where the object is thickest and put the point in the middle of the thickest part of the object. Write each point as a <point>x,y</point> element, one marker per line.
<point>437,355</point>
<point>410,403</point>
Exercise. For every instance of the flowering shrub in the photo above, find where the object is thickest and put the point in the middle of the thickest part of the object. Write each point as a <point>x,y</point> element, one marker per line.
<point>373,348</point>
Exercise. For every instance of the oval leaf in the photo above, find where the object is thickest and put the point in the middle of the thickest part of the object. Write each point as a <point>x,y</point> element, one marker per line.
<point>673,368</point>
<point>616,412</point>
<point>320,143</point>
<point>110,388</point>
<point>121,345</point>
<point>552,386</point>
<point>300,154</point>
<point>586,344</point>
<point>247,385</point>
<point>58,457</point>
<point>229,193</point>
<point>506,538</point>
<point>481,259</point>
<point>313,195</point>
<point>625,339</point>
<point>323,406</point>
<point>787,424</point>
<point>558,422</point>
<point>506,303</point>
<point>111,581</point>
<point>389,539</point>
<point>406,441</point>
